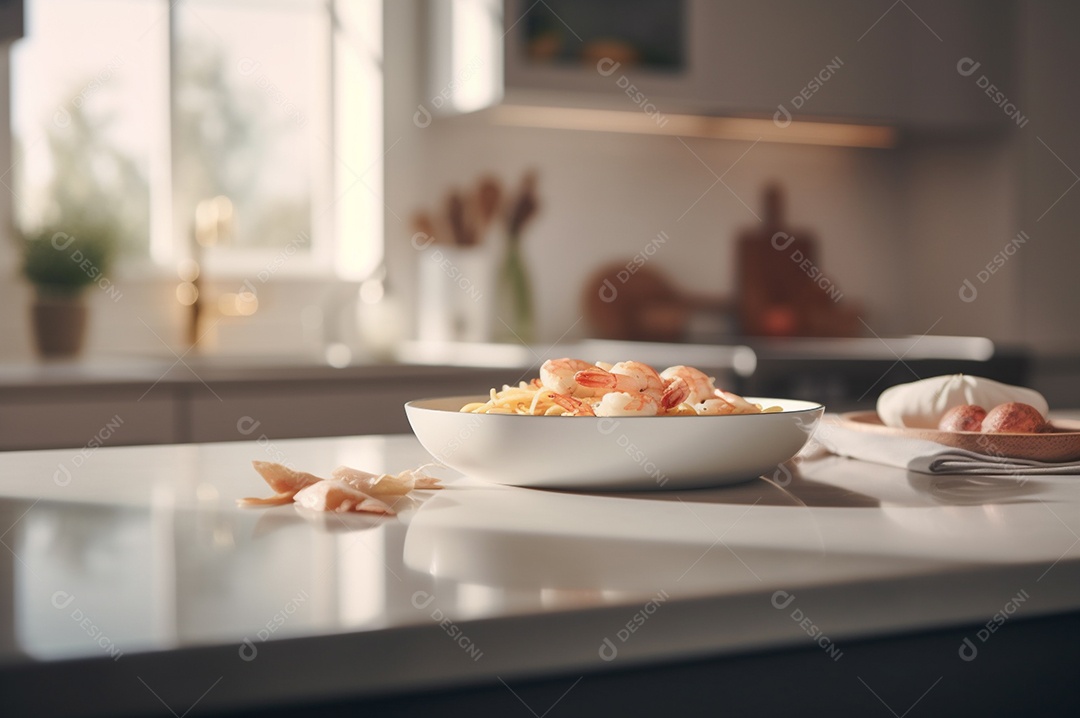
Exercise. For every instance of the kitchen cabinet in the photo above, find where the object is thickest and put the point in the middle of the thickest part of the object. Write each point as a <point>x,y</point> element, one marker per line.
<point>85,417</point>
<point>12,19</point>
<point>82,406</point>
<point>874,62</point>
<point>307,409</point>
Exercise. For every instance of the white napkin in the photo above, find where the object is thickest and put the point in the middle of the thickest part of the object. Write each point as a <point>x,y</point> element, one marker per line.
<point>927,457</point>
<point>921,404</point>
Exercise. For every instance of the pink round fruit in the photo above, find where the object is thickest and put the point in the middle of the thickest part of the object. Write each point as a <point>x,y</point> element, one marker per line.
<point>966,417</point>
<point>1014,418</point>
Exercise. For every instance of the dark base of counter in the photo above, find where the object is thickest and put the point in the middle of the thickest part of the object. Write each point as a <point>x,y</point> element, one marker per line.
<point>1027,667</point>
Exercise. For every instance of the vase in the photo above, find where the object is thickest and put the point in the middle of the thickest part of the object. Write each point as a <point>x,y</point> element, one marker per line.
<point>515,321</point>
<point>59,325</point>
<point>454,301</point>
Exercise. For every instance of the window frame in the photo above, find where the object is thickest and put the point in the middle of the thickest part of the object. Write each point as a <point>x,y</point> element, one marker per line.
<point>343,245</point>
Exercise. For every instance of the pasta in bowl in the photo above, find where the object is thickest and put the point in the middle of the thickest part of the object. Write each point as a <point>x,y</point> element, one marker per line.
<point>602,453</point>
<point>572,387</point>
<point>613,427</point>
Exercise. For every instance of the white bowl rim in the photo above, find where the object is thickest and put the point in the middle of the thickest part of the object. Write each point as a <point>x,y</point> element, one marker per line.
<point>810,407</point>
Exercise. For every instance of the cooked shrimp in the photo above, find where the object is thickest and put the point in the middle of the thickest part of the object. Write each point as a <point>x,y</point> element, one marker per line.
<point>614,403</point>
<point>619,403</point>
<point>700,385</point>
<point>675,392</point>
<point>715,407</point>
<point>558,375</point>
<point>635,378</point>
<point>742,406</point>
<point>724,402</point>
<point>626,376</point>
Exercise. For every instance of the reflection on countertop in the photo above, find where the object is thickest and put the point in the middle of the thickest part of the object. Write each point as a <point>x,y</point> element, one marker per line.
<point>143,549</point>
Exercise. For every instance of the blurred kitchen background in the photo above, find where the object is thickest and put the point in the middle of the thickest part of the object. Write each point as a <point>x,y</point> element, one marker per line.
<point>356,201</point>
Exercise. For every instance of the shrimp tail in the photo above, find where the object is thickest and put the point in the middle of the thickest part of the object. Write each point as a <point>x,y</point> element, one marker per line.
<point>597,379</point>
<point>675,393</point>
<point>573,406</point>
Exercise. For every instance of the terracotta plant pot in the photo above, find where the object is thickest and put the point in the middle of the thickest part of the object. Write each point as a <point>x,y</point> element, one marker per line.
<point>59,326</point>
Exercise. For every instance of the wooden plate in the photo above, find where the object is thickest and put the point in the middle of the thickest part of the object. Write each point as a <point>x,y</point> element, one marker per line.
<point>1061,444</point>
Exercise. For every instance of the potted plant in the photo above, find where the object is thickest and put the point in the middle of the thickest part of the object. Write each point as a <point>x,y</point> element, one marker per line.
<point>61,261</point>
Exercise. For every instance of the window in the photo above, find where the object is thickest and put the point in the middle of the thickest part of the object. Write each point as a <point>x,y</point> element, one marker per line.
<point>88,114</point>
<point>141,112</point>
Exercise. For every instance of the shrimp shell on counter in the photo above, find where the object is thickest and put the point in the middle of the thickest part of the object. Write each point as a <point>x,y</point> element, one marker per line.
<point>349,489</point>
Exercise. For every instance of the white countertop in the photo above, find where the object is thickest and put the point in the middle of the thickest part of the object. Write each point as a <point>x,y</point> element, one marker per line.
<point>133,568</point>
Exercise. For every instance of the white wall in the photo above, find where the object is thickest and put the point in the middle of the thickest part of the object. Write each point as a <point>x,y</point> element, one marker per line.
<point>901,230</point>
<point>1049,293</point>
<point>605,196</point>
<point>961,211</point>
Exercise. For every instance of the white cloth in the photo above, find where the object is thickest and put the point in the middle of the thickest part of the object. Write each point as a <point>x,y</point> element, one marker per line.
<point>921,404</point>
<point>927,457</point>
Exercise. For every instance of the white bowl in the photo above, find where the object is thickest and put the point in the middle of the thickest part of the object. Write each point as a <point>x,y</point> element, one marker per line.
<point>612,454</point>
